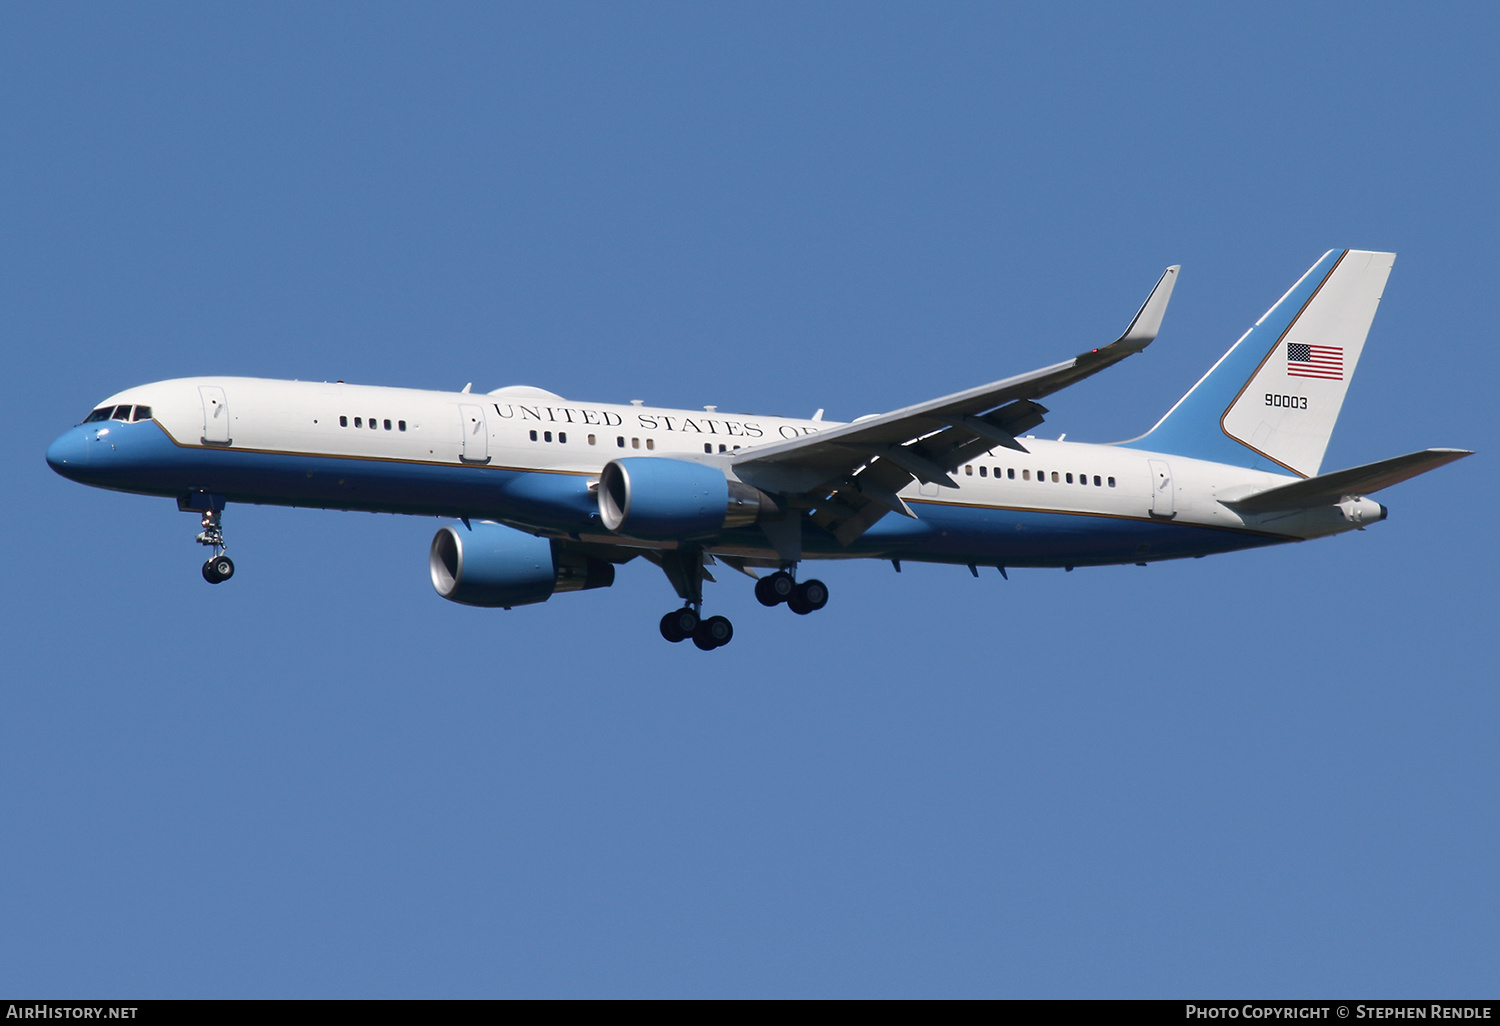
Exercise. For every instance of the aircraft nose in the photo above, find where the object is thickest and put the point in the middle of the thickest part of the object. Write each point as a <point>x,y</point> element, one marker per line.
<point>69,455</point>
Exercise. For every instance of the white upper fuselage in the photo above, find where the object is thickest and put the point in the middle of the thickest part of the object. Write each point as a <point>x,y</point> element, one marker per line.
<point>531,431</point>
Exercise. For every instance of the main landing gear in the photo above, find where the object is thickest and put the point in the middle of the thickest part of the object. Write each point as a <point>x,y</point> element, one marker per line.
<point>219,567</point>
<point>707,634</point>
<point>804,598</point>
<point>684,568</point>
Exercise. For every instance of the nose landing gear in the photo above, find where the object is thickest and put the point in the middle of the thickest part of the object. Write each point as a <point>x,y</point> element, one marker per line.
<point>219,567</point>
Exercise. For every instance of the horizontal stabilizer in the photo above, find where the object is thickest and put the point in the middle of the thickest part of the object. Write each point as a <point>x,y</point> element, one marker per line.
<point>1331,488</point>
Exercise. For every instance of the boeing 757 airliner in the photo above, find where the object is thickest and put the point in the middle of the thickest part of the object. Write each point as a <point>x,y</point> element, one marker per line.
<point>549,495</point>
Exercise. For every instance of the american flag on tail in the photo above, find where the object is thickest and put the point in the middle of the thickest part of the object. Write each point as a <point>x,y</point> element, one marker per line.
<point>1309,361</point>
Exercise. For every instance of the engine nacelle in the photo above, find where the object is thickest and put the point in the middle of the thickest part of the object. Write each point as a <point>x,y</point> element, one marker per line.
<point>656,497</point>
<point>490,564</point>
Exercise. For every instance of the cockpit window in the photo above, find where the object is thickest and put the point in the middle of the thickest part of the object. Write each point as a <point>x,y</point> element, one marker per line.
<point>118,413</point>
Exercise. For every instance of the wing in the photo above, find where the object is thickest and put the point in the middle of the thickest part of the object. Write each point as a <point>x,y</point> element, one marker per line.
<point>847,477</point>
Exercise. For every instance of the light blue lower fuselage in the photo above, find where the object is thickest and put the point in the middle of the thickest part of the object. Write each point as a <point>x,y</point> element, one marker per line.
<point>143,458</point>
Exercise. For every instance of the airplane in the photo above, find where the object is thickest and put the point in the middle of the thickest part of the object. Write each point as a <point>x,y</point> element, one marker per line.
<point>548,495</point>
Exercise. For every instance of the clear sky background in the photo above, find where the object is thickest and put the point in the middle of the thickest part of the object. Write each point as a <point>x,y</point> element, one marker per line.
<point>1267,773</point>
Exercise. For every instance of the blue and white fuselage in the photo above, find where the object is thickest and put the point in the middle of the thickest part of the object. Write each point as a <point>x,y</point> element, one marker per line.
<point>537,467</point>
<point>552,493</point>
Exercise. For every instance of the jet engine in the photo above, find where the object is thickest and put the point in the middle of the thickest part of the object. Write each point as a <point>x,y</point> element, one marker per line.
<point>655,497</point>
<point>489,564</point>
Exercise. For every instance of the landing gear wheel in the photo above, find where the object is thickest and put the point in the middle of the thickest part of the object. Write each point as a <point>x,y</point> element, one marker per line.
<point>809,597</point>
<point>218,570</point>
<point>679,625</point>
<point>815,593</point>
<point>775,589</point>
<point>713,633</point>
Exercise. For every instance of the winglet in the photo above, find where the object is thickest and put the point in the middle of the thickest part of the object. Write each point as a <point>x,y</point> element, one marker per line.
<point>1142,330</point>
<point>1147,323</point>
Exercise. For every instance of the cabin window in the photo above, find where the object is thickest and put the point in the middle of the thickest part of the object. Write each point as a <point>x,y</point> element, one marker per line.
<point>1054,477</point>
<point>723,447</point>
<point>1096,481</point>
<point>592,439</point>
<point>546,436</point>
<point>562,436</point>
<point>400,425</point>
<point>343,422</point>
<point>533,436</point>
<point>359,422</point>
<point>620,441</point>
<point>1111,482</point>
<point>983,471</point>
<point>1025,475</point>
<point>387,425</point>
<point>969,470</point>
<point>708,447</point>
<point>1070,478</point>
<point>1011,473</point>
<point>651,443</point>
<point>635,443</point>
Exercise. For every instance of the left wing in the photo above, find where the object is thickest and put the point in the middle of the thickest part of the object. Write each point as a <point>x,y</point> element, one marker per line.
<point>848,476</point>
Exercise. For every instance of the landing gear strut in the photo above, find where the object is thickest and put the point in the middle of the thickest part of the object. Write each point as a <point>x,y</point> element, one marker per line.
<point>684,568</point>
<point>219,567</point>
<point>804,598</point>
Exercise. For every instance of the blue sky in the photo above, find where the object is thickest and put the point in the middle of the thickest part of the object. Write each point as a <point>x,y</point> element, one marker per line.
<point>1271,772</point>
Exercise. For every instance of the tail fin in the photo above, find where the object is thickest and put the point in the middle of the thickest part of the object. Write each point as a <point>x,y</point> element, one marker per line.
<point>1272,400</point>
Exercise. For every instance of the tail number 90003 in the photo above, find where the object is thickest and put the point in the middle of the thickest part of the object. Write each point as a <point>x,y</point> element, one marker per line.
<point>1290,402</point>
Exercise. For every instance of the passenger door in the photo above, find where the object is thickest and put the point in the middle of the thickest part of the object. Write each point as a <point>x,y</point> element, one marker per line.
<point>215,415</point>
<point>1163,496</point>
<point>476,443</point>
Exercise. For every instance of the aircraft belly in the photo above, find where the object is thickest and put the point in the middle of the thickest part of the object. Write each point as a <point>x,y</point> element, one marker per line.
<point>1012,537</point>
